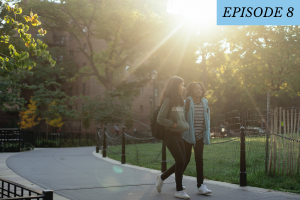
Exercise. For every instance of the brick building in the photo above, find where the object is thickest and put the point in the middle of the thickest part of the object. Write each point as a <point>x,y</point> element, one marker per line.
<point>140,106</point>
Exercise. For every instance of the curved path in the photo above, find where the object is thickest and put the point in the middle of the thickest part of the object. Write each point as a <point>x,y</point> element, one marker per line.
<point>80,174</point>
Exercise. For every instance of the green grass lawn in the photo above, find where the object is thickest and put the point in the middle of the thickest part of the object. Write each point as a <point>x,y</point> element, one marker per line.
<point>221,162</point>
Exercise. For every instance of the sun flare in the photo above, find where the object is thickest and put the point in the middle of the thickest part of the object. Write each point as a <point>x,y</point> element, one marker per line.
<point>197,12</point>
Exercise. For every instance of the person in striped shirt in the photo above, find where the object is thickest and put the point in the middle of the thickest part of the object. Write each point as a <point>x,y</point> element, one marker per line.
<point>197,115</point>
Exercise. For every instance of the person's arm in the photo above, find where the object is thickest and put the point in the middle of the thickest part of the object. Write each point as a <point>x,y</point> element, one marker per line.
<point>162,115</point>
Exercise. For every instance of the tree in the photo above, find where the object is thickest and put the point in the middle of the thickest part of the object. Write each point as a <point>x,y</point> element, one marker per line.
<point>52,103</point>
<point>267,59</point>
<point>129,29</point>
<point>29,117</point>
<point>16,51</point>
<point>21,60</point>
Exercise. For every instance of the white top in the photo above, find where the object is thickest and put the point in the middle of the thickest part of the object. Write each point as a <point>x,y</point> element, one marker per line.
<point>198,120</point>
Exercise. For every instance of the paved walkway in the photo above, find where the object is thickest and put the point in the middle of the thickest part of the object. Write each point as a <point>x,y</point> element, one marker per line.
<point>81,174</point>
<point>7,173</point>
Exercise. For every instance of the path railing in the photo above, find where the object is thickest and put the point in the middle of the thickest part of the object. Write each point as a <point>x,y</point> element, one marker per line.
<point>14,139</point>
<point>12,190</point>
<point>139,150</point>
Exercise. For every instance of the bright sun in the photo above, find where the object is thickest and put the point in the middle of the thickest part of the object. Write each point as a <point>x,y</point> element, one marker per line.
<point>200,12</point>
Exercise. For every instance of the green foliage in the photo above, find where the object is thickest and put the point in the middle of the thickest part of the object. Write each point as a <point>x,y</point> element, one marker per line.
<point>16,59</point>
<point>265,58</point>
<point>9,94</point>
<point>54,99</point>
<point>14,147</point>
<point>18,53</point>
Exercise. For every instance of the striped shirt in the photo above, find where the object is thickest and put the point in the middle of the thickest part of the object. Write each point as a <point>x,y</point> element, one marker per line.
<point>198,120</point>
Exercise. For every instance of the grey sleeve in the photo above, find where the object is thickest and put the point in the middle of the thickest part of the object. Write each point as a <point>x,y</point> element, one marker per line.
<point>162,115</point>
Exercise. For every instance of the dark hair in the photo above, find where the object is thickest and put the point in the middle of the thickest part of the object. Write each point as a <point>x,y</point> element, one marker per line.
<point>190,88</point>
<point>171,91</point>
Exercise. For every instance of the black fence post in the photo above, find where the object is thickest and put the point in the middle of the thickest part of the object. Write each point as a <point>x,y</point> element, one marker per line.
<point>19,132</point>
<point>163,158</point>
<point>79,139</point>
<point>243,174</point>
<point>123,158</point>
<point>104,142</point>
<point>72,135</point>
<point>97,149</point>
<point>48,194</point>
<point>86,139</point>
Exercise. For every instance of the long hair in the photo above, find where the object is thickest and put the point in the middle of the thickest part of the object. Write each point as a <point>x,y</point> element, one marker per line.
<point>171,91</point>
<point>190,88</point>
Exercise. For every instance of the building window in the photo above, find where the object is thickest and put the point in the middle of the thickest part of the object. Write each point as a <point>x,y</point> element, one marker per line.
<point>82,106</point>
<point>141,90</point>
<point>156,92</point>
<point>141,108</point>
<point>76,106</point>
<point>69,108</point>
<point>83,89</point>
<point>71,53</point>
<point>70,91</point>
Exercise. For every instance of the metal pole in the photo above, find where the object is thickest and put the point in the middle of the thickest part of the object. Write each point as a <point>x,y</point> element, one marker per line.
<point>104,142</point>
<point>19,132</point>
<point>163,158</point>
<point>243,174</point>
<point>154,140</point>
<point>123,158</point>
<point>153,94</point>
<point>48,194</point>
<point>97,149</point>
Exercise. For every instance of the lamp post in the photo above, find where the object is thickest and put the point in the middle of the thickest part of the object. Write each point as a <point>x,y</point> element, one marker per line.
<point>154,77</point>
<point>150,101</point>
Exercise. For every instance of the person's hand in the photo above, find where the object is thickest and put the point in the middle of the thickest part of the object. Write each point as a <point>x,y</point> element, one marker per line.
<point>174,126</point>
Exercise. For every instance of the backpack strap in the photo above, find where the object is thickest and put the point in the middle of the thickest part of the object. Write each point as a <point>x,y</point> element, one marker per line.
<point>187,106</point>
<point>169,112</point>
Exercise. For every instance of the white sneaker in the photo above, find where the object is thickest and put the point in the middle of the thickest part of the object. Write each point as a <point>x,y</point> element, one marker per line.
<point>203,190</point>
<point>159,183</point>
<point>181,195</point>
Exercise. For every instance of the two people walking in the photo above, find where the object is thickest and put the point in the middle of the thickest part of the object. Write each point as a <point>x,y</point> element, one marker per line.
<point>187,126</point>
